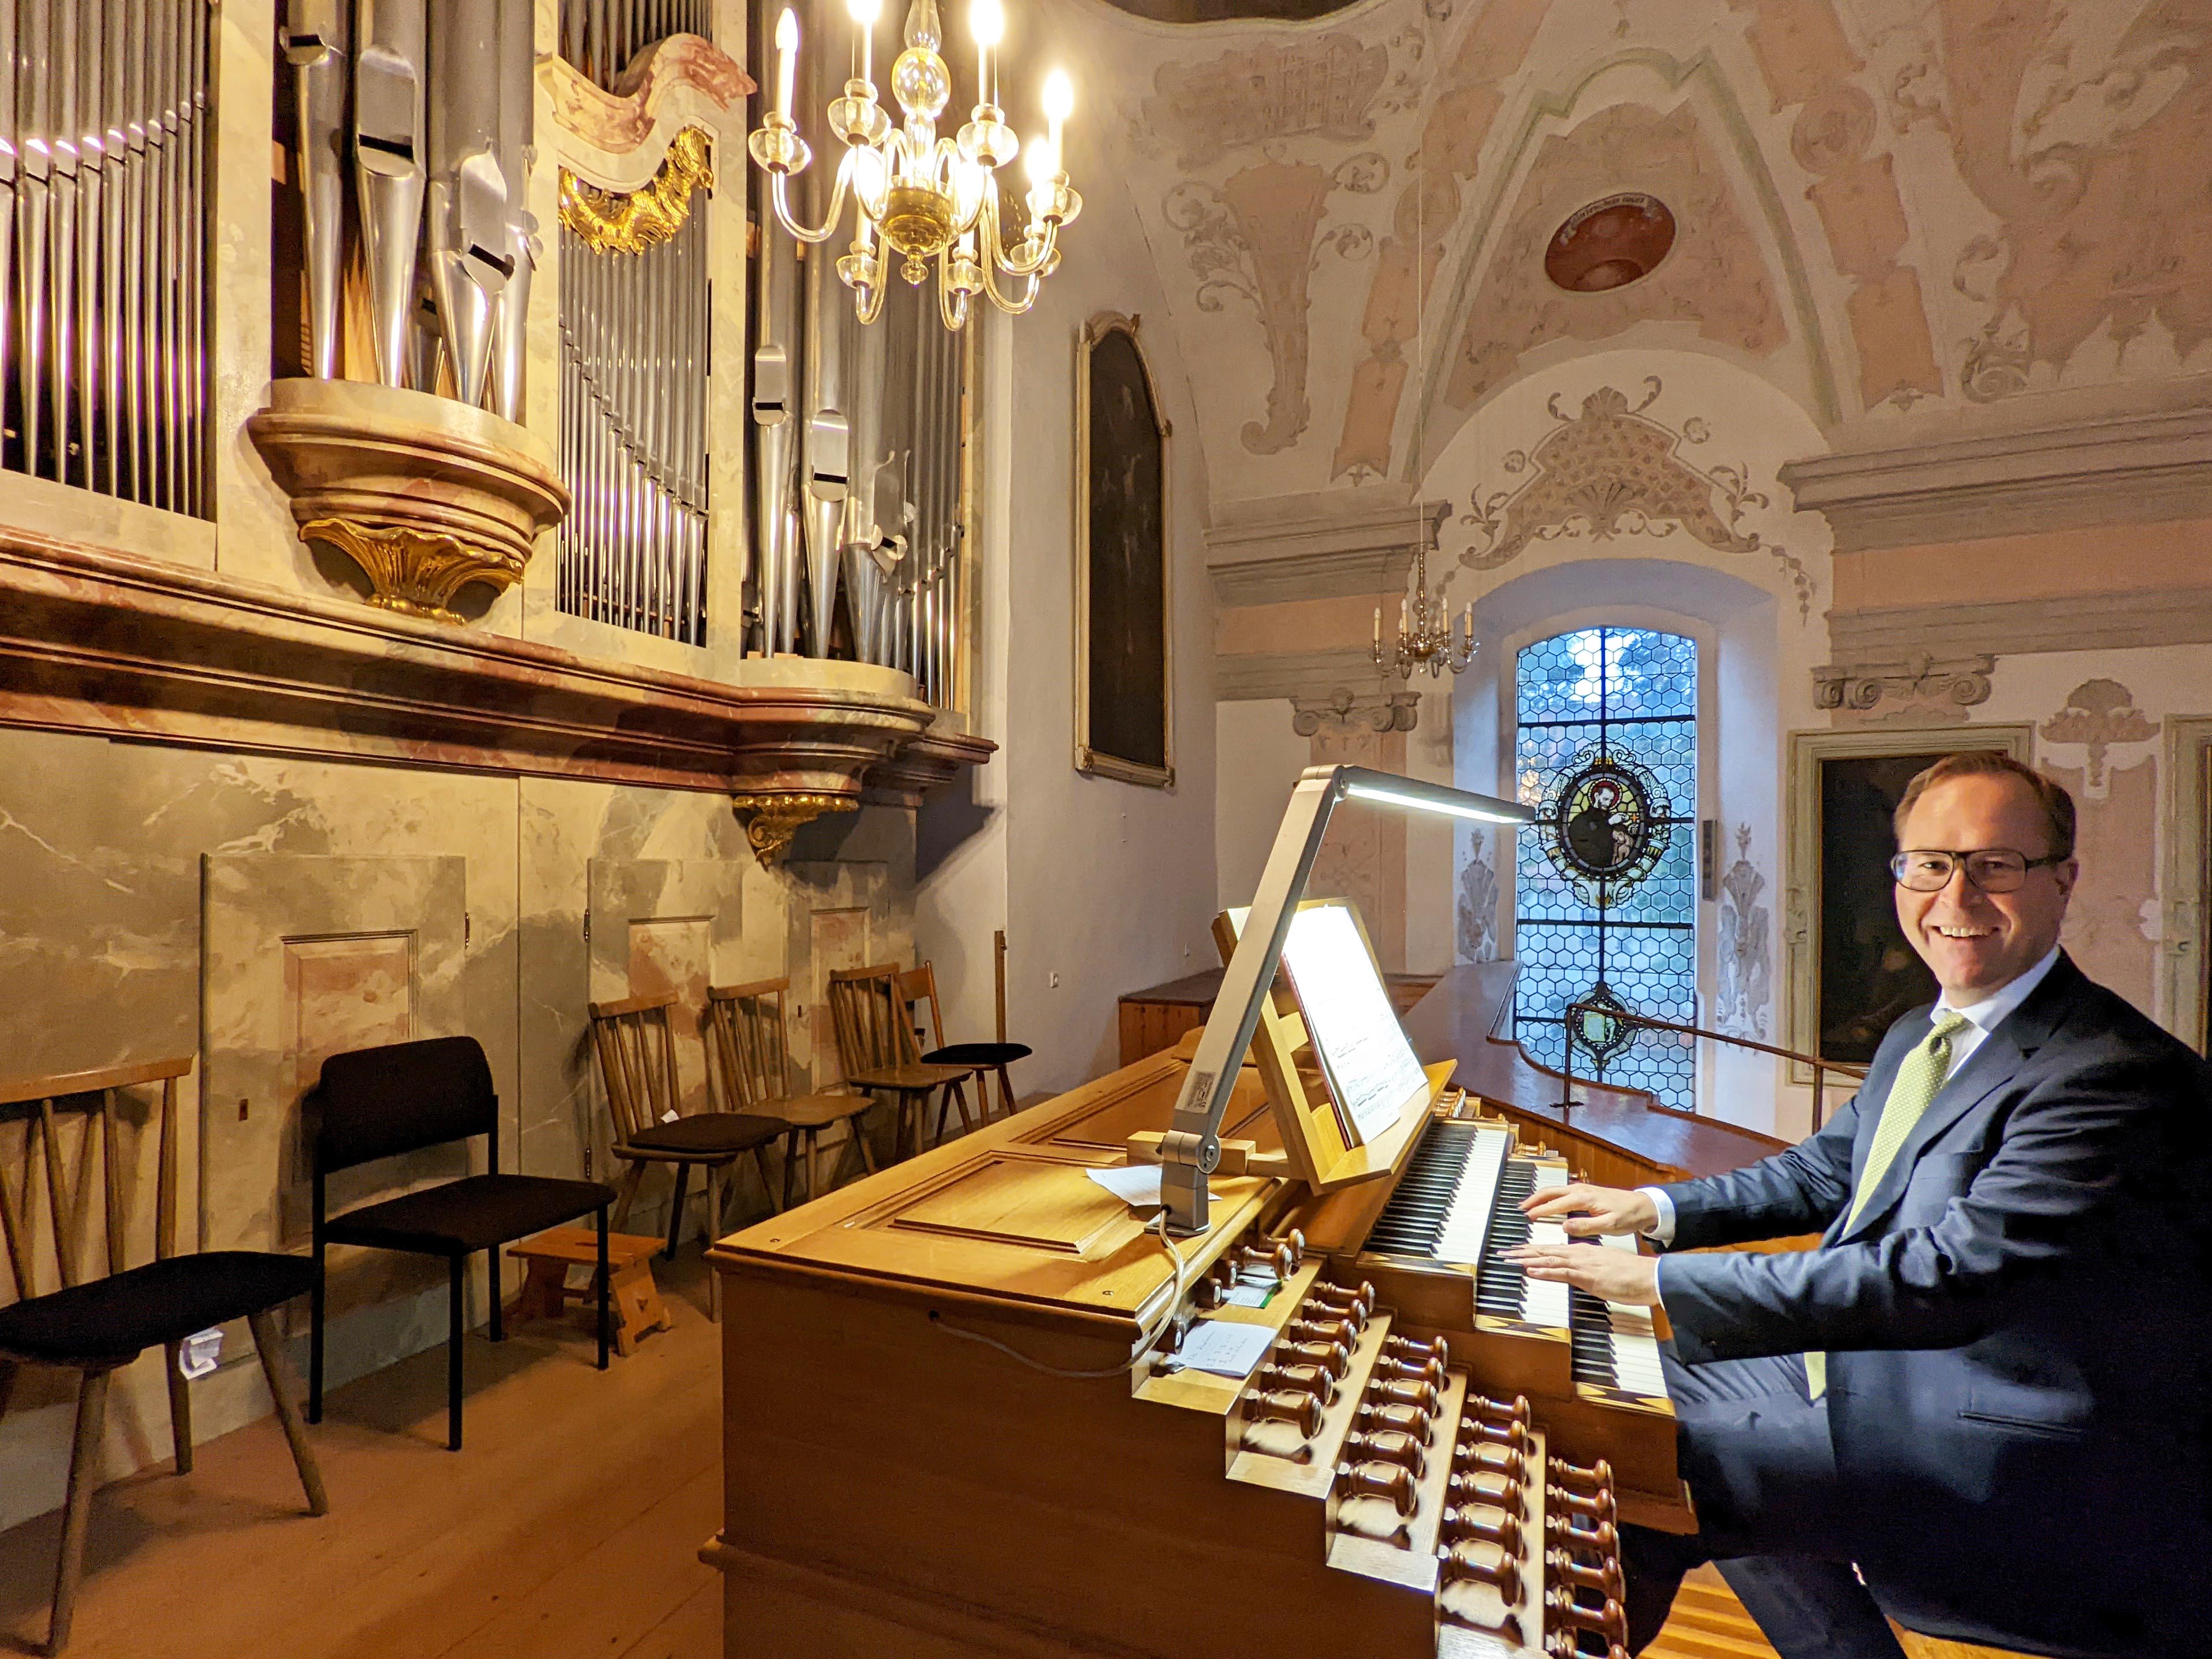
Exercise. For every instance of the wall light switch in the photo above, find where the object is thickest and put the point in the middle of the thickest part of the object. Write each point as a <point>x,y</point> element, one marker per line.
<point>1052,981</point>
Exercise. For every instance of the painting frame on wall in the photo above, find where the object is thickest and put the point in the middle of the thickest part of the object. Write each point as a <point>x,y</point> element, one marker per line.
<point>1124,577</point>
<point>1842,992</point>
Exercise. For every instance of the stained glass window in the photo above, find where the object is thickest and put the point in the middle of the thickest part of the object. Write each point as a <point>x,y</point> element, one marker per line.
<point>1605,910</point>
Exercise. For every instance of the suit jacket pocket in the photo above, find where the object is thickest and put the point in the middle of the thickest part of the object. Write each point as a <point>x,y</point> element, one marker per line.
<point>2025,1407</point>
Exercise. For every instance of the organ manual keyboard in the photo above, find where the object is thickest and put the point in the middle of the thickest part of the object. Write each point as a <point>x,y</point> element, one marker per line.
<point>980,1404</point>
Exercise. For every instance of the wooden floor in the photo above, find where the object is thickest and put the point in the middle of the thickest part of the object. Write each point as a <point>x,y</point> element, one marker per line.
<point>569,1526</point>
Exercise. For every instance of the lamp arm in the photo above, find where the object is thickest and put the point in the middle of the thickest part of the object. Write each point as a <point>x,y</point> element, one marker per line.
<point>1030,284</point>
<point>1192,1146</point>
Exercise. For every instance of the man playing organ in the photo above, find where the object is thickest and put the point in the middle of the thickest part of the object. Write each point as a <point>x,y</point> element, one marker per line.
<point>1981,1405</point>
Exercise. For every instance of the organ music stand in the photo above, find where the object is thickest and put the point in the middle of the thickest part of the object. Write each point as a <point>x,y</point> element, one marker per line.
<point>1191,1148</point>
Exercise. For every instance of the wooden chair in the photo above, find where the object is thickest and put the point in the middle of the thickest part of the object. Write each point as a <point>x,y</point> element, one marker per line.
<point>748,1040</point>
<point>919,986</point>
<point>875,1044</point>
<point>637,1048</point>
<point>374,1104</point>
<point>96,1326</point>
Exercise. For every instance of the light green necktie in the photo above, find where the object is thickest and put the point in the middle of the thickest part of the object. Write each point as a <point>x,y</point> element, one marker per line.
<point>1920,1075</point>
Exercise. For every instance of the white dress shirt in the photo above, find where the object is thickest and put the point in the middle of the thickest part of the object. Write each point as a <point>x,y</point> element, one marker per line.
<point>1982,1018</point>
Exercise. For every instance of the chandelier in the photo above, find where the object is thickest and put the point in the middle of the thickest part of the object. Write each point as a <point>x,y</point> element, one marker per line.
<point>919,195</point>
<point>1425,635</point>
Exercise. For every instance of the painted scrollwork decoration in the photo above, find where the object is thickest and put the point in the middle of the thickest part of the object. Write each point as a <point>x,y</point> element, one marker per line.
<point>1613,469</point>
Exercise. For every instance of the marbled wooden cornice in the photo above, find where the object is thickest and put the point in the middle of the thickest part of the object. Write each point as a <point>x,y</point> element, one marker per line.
<point>117,645</point>
<point>933,758</point>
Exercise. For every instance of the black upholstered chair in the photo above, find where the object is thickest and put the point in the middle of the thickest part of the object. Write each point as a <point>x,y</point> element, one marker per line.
<point>919,985</point>
<point>96,1325</point>
<point>378,1102</point>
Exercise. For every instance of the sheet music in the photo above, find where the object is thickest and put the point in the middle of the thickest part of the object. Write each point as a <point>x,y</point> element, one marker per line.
<point>1370,1066</point>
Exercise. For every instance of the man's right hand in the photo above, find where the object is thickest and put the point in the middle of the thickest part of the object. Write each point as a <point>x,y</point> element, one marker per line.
<point>1585,1211</point>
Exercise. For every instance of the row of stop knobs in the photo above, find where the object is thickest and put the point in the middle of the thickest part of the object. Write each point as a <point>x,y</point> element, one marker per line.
<point>1298,1379</point>
<point>1584,1594</point>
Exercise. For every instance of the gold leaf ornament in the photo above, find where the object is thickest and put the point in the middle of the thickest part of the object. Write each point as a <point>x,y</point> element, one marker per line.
<point>610,223</point>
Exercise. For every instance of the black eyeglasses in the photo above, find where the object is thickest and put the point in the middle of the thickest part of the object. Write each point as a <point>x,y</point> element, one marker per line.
<point>1992,869</point>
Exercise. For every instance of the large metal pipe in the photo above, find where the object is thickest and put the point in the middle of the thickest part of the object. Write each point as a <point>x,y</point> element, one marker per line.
<point>389,127</point>
<point>471,257</point>
<point>317,45</point>
<point>517,154</point>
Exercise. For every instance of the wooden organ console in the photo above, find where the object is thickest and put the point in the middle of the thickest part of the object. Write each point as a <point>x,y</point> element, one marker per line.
<point>937,1446</point>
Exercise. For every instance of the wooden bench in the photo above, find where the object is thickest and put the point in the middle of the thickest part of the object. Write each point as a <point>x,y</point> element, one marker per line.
<point>546,1292</point>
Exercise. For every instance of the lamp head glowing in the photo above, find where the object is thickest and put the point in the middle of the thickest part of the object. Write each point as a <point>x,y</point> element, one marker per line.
<point>786,31</point>
<point>865,12</point>
<point>1458,809</point>
<point>987,22</point>
<point>1059,95</point>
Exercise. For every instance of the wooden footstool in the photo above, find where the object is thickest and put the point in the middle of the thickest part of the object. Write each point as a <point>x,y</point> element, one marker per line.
<point>546,1293</point>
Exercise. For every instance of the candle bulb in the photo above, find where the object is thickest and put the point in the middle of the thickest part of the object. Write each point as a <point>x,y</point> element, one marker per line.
<point>1405,615</point>
<point>787,64</point>
<point>864,14</point>
<point>1058,104</point>
<point>987,22</point>
<point>1378,630</point>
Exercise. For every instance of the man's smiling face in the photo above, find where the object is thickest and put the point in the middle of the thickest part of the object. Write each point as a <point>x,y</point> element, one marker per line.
<point>1977,942</point>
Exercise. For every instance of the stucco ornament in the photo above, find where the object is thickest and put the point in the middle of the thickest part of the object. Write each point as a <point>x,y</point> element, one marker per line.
<point>1746,967</point>
<point>1612,470</point>
<point>1478,904</point>
<point>2098,714</point>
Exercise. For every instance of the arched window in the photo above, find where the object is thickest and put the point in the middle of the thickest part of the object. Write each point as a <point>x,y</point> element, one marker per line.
<point>1606,896</point>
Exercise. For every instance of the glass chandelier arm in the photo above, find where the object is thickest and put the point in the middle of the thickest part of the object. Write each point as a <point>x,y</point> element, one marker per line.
<point>1015,265</point>
<point>780,195</point>
<point>1030,284</point>
<point>951,307</point>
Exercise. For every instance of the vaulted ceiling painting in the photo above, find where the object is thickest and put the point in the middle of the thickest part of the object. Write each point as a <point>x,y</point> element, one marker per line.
<point>1879,205</point>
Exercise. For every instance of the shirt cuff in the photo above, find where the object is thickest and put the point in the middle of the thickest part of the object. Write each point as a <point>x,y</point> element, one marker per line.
<point>1661,1231</point>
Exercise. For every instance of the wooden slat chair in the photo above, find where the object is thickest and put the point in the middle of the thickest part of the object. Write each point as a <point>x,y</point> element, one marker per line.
<point>918,986</point>
<point>97,1325</point>
<point>877,1047</point>
<point>375,1104</point>
<point>752,1055</point>
<point>636,1046</point>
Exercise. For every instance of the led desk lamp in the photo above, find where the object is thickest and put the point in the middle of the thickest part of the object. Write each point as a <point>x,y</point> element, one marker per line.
<point>1191,1150</point>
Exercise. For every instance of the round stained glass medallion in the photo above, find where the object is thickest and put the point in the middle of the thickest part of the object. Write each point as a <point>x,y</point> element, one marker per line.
<point>1603,823</point>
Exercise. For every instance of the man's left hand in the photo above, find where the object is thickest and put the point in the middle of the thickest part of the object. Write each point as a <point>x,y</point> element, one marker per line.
<point>1612,1275</point>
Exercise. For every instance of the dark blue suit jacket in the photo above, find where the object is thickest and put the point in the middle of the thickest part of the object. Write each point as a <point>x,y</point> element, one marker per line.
<point>2018,1326</point>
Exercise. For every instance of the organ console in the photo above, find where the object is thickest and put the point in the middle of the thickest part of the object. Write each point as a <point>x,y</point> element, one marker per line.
<point>976,1404</point>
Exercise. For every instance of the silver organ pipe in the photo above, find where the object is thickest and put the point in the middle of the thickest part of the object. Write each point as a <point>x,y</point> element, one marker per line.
<point>103,151</point>
<point>634,359</point>
<point>857,434</point>
<point>634,356</point>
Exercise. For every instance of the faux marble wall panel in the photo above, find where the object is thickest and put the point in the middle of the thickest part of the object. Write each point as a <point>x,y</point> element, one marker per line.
<point>305,956</point>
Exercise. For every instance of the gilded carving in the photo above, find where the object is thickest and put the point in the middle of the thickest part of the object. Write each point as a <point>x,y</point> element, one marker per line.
<point>1613,469</point>
<point>414,572</point>
<point>610,223</point>
<point>771,820</point>
<point>2098,714</point>
<point>1257,238</point>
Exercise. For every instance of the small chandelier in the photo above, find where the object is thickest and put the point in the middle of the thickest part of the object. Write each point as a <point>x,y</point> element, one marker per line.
<point>925,197</point>
<point>1425,635</point>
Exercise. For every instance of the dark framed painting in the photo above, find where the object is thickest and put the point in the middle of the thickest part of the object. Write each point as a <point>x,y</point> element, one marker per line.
<point>1124,643</point>
<point>1851,971</point>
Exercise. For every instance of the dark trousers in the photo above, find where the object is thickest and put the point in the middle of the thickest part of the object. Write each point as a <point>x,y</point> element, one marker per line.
<point>1759,1464</point>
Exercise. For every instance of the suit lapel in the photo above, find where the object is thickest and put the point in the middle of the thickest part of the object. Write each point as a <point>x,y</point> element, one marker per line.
<point>1989,1068</point>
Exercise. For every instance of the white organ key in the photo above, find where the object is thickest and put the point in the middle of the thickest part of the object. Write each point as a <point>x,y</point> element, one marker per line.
<point>1468,1219</point>
<point>1635,1348</point>
<point>1542,1302</point>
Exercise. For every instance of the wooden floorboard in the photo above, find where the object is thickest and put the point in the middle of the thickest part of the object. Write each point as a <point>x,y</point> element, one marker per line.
<point>569,1525</point>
